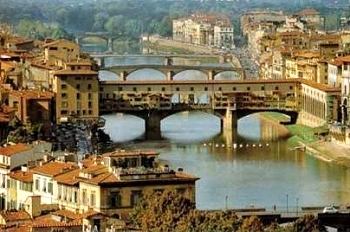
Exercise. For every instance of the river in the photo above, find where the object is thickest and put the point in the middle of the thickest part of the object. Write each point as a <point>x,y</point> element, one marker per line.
<point>272,174</point>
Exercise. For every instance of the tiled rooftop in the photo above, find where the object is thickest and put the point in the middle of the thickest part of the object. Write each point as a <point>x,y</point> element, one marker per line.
<point>33,94</point>
<point>54,168</point>
<point>14,149</point>
<point>24,176</point>
<point>13,216</point>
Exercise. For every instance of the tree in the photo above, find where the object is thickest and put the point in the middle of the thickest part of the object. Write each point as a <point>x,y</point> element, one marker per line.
<point>308,223</point>
<point>115,25</point>
<point>161,211</point>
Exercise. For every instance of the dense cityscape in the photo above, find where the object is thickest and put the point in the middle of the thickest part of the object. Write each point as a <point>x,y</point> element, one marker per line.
<point>173,115</point>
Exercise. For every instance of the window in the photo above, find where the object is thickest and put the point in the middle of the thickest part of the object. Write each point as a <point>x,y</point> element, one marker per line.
<point>90,104</point>
<point>205,88</point>
<point>75,197</point>
<point>78,96</point>
<point>64,104</point>
<point>115,199</point>
<point>101,89</point>
<point>220,89</point>
<point>64,95</point>
<point>50,188</point>
<point>89,96</point>
<point>234,88</point>
<point>89,86</point>
<point>44,186</point>
<point>134,89</point>
<point>63,86</point>
<point>84,112</point>
<point>149,89</point>
<point>64,112</point>
<point>93,198</point>
<point>135,197</point>
<point>84,197</point>
<point>59,191</point>
<point>78,86</point>
<point>77,78</point>
<point>120,88</point>
<point>163,89</point>
<point>37,184</point>
<point>177,89</point>
<point>291,87</point>
<point>276,88</point>
<point>192,89</point>
<point>248,88</point>
<point>262,88</point>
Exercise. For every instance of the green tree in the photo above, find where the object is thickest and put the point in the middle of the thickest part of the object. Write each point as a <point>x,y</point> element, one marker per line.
<point>161,211</point>
<point>115,25</point>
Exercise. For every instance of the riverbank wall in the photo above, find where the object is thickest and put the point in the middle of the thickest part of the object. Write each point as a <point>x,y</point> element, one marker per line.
<point>319,147</point>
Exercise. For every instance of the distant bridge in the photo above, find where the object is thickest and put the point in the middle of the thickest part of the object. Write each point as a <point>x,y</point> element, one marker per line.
<point>108,37</point>
<point>171,70</point>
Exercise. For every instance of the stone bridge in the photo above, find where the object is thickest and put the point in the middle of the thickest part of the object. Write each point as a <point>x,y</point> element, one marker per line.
<point>109,38</point>
<point>228,100</point>
<point>170,70</point>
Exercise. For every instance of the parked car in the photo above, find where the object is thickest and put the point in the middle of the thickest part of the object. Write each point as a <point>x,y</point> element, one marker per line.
<point>330,209</point>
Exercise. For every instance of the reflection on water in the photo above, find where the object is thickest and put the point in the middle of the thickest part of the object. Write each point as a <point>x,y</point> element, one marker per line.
<point>262,176</point>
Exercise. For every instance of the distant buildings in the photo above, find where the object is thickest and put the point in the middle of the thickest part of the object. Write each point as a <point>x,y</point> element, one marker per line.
<point>205,29</point>
<point>51,79</point>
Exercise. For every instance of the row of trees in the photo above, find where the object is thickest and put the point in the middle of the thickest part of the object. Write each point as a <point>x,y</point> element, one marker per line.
<point>120,17</point>
<point>168,211</point>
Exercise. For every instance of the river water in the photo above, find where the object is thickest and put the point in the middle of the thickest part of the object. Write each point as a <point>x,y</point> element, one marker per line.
<point>273,174</point>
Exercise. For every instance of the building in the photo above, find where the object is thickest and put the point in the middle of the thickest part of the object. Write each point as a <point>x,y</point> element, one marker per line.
<point>100,186</point>
<point>204,29</point>
<point>77,93</point>
<point>58,52</point>
<point>14,156</point>
<point>33,107</point>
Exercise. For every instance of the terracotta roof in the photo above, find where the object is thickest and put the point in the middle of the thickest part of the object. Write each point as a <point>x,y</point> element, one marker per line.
<point>55,42</point>
<point>122,153</point>
<point>33,94</point>
<point>22,176</point>
<point>47,221</point>
<point>14,149</point>
<point>13,216</point>
<point>54,168</point>
<point>15,228</point>
<point>75,72</point>
<point>69,178</point>
<point>344,59</point>
<point>67,213</point>
<point>76,216</point>
<point>322,87</point>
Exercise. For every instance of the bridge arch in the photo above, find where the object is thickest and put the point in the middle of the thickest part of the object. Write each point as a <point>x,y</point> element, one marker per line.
<point>191,74</point>
<point>145,74</point>
<point>227,75</point>
<point>105,75</point>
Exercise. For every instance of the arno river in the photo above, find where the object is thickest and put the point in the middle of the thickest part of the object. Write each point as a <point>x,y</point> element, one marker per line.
<point>273,174</point>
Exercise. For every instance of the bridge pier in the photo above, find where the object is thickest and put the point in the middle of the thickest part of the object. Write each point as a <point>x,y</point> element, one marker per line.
<point>152,125</point>
<point>77,40</point>
<point>123,75</point>
<point>211,75</point>
<point>170,75</point>
<point>110,44</point>
<point>229,121</point>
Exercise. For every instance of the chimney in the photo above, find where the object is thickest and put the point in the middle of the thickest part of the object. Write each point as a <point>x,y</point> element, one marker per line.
<point>33,204</point>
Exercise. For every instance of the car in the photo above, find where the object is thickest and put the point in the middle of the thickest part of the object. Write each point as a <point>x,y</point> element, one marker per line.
<point>330,209</point>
